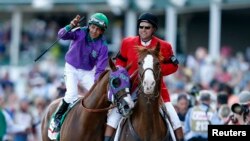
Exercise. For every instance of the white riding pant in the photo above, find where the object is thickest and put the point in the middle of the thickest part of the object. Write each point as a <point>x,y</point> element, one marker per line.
<point>74,76</point>
<point>174,119</point>
<point>114,117</point>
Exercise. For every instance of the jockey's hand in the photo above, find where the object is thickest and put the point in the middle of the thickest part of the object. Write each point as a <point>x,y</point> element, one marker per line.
<point>75,21</point>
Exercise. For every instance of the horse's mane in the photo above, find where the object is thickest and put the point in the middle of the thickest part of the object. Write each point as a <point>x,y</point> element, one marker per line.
<point>102,75</point>
<point>99,79</point>
<point>142,51</point>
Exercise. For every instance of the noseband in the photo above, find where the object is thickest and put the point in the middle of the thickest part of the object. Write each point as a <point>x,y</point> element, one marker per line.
<point>118,95</point>
<point>157,78</point>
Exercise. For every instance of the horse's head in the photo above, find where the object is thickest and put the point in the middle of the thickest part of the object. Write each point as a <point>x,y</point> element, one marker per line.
<point>149,68</point>
<point>119,93</point>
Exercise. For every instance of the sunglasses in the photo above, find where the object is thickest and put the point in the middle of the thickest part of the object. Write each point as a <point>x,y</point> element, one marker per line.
<point>144,27</point>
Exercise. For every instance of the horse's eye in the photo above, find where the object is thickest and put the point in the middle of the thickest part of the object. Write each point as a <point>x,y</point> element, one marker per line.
<point>139,63</point>
<point>116,82</point>
<point>157,63</point>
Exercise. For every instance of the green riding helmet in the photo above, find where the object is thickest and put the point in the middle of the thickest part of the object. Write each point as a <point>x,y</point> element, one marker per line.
<point>100,20</point>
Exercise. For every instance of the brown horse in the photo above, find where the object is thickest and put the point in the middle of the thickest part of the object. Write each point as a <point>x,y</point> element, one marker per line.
<point>86,120</point>
<point>146,123</point>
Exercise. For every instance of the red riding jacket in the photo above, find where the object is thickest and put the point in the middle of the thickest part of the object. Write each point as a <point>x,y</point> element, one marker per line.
<point>128,55</point>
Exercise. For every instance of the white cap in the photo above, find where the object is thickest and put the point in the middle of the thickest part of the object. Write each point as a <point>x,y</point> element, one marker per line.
<point>244,97</point>
<point>204,95</point>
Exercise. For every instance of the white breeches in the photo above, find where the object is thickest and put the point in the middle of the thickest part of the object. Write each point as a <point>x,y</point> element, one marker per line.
<point>174,119</point>
<point>74,76</point>
<point>114,117</point>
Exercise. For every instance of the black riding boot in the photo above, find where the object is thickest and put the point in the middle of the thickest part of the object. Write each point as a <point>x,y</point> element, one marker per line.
<point>106,138</point>
<point>62,109</point>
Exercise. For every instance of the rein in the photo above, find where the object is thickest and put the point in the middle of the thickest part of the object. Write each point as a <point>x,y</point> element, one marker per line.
<point>118,96</point>
<point>97,110</point>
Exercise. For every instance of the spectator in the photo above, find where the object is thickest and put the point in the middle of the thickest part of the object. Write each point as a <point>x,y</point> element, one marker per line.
<point>23,117</point>
<point>199,117</point>
<point>8,127</point>
<point>182,106</point>
<point>38,113</point>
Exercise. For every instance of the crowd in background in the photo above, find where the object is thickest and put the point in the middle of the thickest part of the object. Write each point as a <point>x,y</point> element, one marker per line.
<point>27,95</point>
<point>37,34</point>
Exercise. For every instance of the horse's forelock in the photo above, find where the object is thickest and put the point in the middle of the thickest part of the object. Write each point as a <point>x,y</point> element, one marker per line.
<point>160,56</point>
<point>140,50</point>
<point>143,51</point>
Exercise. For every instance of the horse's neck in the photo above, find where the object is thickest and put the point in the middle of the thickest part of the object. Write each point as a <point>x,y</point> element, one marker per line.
<point>149,104</point>
<point>96,97</point>
<point>146,118</point>
<point>146,110</point>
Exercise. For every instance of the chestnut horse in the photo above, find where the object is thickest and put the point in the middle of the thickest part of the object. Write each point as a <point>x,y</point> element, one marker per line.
<point>146,122</point>
<point>87,119</point>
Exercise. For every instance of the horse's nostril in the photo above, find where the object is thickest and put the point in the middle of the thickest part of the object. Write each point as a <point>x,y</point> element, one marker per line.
<point>126,107</point>
<point>153,83</point>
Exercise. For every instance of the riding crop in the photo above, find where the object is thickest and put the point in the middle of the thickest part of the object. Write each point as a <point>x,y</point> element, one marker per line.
<point>56,41</point>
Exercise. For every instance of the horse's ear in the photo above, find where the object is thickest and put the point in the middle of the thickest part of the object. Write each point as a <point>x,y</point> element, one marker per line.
<point>112,65</point>
<point>128,66</point>
<point>139,48</point>
<point>157,48</point>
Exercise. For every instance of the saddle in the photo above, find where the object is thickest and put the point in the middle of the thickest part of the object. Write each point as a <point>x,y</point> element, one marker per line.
<point>54,131</point>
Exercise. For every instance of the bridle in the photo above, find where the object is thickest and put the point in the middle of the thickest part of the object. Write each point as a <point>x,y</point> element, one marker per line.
<point>118,96</point>
<point>116,103</point>
<point>157,79</point>
<point>155,75</point>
